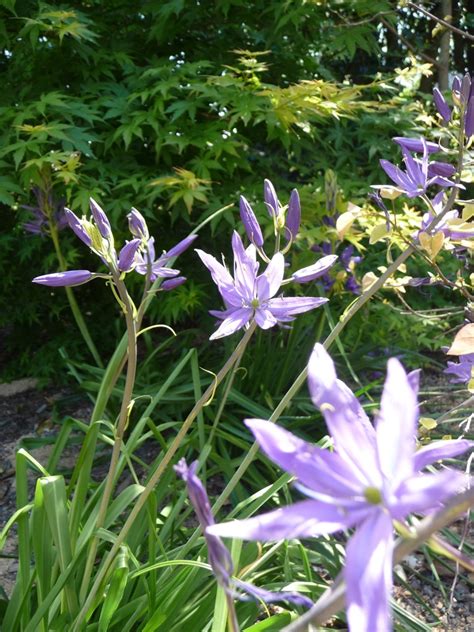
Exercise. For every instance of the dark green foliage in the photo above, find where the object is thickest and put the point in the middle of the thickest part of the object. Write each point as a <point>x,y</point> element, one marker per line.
<point>176,107</point>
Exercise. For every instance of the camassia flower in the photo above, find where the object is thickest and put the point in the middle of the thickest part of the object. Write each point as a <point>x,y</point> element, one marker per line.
<point>373,477</point>
<point>148,265</point>
<point>219,556</point>
<point>419,174</point>
<point>249,296</point>
<point>137,254</point>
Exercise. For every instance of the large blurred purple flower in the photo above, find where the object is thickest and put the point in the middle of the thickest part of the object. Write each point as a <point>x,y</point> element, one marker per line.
<point>219,556</point>
<point>248,295</point>
<point>372,478</point>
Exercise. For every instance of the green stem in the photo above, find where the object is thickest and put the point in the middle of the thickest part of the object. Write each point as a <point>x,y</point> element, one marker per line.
<point>232,615</point>
<point>76,312</point>
<point>157,474</point>
<point>121,426</point>
<point>225,395</point>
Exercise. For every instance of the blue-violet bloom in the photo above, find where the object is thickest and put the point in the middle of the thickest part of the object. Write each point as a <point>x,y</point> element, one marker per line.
<point>417,178</point>
<point>372,478</point>
<point>249,296</point>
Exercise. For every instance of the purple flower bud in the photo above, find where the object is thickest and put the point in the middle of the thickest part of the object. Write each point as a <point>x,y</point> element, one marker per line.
<point>101,219</point>
<point>469,119</point>
<point>271,199</point>
<point>416,144</point>
<point>180,247</point>
<point>171,284</point>
<point>293,217</point>
<point>127,255</point>
<point>456,86</point>
<point>465,87</point>
<point>250,222</point>
<point>76,225</point>
<point>137,225</point>
<point>441,105</point>
<point>314,271</point>
<point>443,169</point>
<point>62,279</point>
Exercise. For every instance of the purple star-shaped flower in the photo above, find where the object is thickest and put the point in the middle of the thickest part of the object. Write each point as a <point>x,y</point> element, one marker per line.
<point>372,478</point>
<point>419,174</point>
<point>248,295</point>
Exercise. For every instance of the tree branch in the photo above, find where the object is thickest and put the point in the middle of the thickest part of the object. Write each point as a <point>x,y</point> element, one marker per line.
<point>406,43</point>
<point>440,21</point>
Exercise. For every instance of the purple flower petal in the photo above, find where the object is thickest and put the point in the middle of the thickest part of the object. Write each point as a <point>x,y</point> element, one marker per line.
<point>303,519</point>
<point>283,306</point>
<point>353,434</point>
<point>101,219</point>
<point>441,105</point>
<point>181,246</point>
<point>425,492</point>
<point>271,199</point>
<point>439,450</point>
<point>238,319</point>
<point>293,216</point>
<point>314,271</point>
<point>268,596</point>
<point>63,279</point>
<point>469,119</point>
<point>265,319</point>
<point>368,574</point>
<point>128,254</point>
<point>244,269</point>
<point>397,175</point>
<point>76,225</point>
<point>443,169</point>
<point>322,471</point>
<point>269,282</point>
<point>221,277</point>
<point>219,556</point>
<point>416,144</point>
<point>137,225</point>
<point>396,424</point>
<point>252,227</point>
<point>171,284</point>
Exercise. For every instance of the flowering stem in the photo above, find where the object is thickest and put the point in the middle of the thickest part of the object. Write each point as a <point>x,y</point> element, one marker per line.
<point>121,426</point>
<point>76,312</point>
<point>332,601</point>
<point>343,321</point>
<point>157,474</point>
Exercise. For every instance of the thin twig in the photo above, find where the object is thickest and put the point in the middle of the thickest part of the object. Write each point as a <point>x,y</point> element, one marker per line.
<point>406,43</point>
<point>440,21</point>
